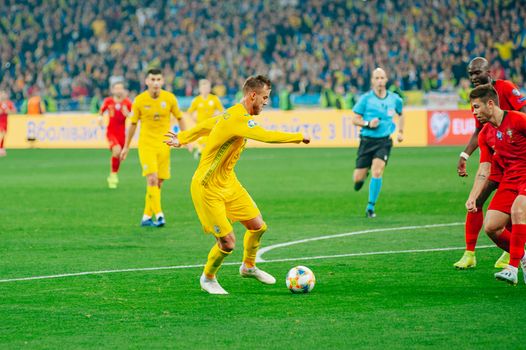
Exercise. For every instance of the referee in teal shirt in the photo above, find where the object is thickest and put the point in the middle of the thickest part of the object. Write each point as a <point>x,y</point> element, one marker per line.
<point>374,112</point>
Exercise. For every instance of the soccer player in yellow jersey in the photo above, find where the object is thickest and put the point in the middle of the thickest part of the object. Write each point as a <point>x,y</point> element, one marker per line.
<point>218,196</point>
<point>204,106</point>
<point>153,108</point>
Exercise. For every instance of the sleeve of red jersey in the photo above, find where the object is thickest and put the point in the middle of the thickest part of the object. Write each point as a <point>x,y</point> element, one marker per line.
<point>514,96</point>
<point>485,150</point>
<point>104,106</point>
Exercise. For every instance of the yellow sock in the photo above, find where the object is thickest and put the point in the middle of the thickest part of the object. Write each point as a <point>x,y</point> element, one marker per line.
<point>251,244</point>
<point>154,192</point>
<point>147,205</point>
<point>215,259</point>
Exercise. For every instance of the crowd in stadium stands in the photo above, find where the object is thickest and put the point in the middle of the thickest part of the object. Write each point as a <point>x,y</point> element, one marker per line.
<point>72,49</point>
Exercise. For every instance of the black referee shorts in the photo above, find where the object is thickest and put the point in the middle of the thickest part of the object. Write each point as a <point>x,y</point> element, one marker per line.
<point>371,148</point>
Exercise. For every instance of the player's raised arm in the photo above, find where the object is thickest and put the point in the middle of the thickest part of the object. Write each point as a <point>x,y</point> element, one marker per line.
<point>247,127</point>
<point>184,137</point>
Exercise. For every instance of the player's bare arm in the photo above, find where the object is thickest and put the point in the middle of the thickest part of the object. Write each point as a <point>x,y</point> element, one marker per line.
<point>129,138</point>
<point>479,183</point>
<point>470,148</point>
<point>401,123</point>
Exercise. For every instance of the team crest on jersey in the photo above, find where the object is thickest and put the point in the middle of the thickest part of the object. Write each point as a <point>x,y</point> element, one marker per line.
<point>226,115</point>
<point>252,123</point>
<point>217,229</point>
<point>163,104</point>
<point>516,92</point>
<point>499,135</point>
<point>118,106</point>
<point>147,106</point>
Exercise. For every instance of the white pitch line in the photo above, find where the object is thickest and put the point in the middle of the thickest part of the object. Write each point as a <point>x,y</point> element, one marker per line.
<point>339,235</point>
<point>321,257</point>
<point>266,249</point>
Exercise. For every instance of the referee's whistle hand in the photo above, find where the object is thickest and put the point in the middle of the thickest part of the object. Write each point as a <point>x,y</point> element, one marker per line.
<point>374,123</point>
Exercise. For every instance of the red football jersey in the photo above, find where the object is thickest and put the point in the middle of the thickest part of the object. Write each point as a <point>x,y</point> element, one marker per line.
<point>510,145</point>
<point>116,116</point>
<point>487,143</point>
<point>510,98</point>
<point>4,107</point>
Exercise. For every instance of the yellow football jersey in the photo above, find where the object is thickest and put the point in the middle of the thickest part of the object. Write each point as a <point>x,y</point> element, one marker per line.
<point>154,114</point>
<point>227,134</point>
<point>205,107</point>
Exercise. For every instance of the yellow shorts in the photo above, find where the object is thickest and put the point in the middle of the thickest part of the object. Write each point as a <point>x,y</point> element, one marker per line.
<point>155,161</point>
<point>218,208</point>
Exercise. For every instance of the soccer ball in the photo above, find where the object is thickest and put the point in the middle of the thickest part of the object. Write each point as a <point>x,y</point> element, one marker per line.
<point>300,279</point>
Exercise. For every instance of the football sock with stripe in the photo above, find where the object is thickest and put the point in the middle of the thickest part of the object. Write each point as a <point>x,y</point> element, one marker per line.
<point>154,194</point>
<point>251,243</point>
<point>215,259</point>
<point>374,191</point>
<point>518,238</point>
<point>472,228</point>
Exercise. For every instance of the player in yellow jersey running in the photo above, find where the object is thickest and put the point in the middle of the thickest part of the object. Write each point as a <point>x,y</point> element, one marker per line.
<point>218,196</point>
<point>153,108</point>
<point>204,106</point>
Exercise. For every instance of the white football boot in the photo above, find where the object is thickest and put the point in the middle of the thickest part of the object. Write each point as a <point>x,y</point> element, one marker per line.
<point>523,267</point>
<point>509,274</point>
<point>211,286</point>
<point>254,272</point>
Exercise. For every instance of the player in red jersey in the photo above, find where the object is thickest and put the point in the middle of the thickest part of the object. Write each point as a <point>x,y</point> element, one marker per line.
<point>117,108</point>
<point>510,98</point>
<point>6,107</point>
<point>510,199</point>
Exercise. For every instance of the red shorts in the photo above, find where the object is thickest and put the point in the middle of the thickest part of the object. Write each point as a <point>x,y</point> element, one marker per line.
<point>506,195</point>
<point>115,139</point>
<point>3,123</point>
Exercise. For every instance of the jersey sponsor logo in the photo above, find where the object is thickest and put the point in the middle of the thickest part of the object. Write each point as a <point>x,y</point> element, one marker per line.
<point>509,132</point>
<point>440,123</point>
<point>163,104</point>
<point>252,123</point>
<point>156,116</point>
<point>516,92</point>
<point>499,135</point>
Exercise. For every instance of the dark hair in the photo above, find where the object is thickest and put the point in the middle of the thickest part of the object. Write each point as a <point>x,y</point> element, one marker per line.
<point>485,93</point>
<point>154,71</point>
<point>256,83</point>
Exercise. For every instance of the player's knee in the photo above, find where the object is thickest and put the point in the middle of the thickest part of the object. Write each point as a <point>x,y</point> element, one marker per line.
<point>152,180</point>
<point>518,214</point>
<point>116,150</point>
<point>227,243</point>
<point>492,229</point>
<point>262,228</point>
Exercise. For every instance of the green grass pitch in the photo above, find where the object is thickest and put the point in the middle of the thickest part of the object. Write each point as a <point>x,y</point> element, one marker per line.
<point>57,216</point>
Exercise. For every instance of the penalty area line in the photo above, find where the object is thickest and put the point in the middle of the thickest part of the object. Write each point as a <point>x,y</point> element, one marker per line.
<point>178,267</point>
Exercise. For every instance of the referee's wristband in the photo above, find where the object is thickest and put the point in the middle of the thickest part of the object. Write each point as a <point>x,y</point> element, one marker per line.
<point>464,155</point>
<point>365,124</point>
